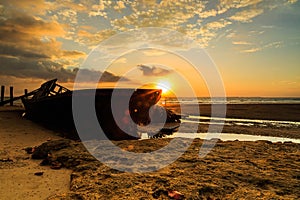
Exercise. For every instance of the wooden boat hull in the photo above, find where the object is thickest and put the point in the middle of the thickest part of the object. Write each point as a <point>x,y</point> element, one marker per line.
<point>56,110</point>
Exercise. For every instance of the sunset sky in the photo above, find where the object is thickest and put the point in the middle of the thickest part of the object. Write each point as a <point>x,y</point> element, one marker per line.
<point>254,43</point>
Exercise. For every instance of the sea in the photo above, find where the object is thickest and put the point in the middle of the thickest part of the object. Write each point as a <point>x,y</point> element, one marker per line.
<point>231,100</point>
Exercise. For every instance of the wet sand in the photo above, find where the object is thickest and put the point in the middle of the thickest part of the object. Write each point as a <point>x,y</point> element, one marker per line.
<point>232,170</point>
<point>277,112</point>
<point>281,112</point>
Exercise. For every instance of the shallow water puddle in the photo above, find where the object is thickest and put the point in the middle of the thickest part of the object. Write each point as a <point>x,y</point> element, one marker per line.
<point>235,121</point>
<point>233,136</point>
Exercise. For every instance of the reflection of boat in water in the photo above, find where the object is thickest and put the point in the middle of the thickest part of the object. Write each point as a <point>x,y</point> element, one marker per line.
<point>52,104</point>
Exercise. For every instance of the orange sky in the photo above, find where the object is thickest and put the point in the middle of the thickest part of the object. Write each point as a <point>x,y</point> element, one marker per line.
<point>255,45</point>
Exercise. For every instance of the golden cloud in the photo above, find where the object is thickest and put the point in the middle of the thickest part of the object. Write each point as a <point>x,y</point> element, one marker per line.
<point>93,39</point>
<point>28,48</point>
<point>246,15</point>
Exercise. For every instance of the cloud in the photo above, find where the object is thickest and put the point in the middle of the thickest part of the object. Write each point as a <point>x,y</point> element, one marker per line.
<point>47,69</point>
<point>167,14</point>
<point>209,13</point>
<point>18,22</point>
<point>237,3</point>
<point>218,24</point>
<point>153,71</point>
<point>119,5</point>
<point>68,16</point>
<point>92,39</point>
<point>186,16</point>
<point>154,52</point>
<point>241,43</point>
<point>36,33</point>
<point>121,60</point>
<point>249,41</point>
<point>34,68</point>
<point>268,27</point>
<point>246,15</point>
<point>252,50</point>
<point>91,76</point>
<point>292,1</point>
<point>32,6</point>
<point>28,48</point>
<point>277,44</point>
<point>270,45</point>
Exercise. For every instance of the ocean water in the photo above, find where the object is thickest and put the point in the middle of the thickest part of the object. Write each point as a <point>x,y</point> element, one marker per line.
<point>231,100</point>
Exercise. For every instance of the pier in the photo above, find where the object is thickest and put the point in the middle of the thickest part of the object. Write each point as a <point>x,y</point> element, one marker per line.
<point>11,99</point>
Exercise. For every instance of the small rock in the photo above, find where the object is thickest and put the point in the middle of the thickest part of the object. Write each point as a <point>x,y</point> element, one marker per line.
<point>39,173</point>
<point>6,160</point>
<point>56,165</point>
<point>175,194</point>
<point>29,150</point>
<point>45,161</point>
<point>44,149</point>
<point>158,193</point>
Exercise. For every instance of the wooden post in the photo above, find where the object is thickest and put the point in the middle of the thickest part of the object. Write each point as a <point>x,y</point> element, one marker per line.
<point>11,95</point>
<point>26,92</point>
<point>2,93</point>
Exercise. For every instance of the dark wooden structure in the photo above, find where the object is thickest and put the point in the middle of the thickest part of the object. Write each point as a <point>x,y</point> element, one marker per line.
<point>2,94</point>
<point>52,104</point>
<point>11,96</point>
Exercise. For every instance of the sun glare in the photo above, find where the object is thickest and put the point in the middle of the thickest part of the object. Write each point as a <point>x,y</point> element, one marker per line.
<point>164,85</point>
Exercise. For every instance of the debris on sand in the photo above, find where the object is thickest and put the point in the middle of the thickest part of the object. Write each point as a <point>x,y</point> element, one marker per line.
<point>39,173</point>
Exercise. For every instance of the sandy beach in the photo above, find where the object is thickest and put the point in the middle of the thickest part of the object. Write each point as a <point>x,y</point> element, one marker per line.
<point>94,78</point>
<point>17,170</point>
<point>232,170</point>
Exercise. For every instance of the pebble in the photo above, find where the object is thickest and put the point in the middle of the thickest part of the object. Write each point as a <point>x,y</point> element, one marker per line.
<point>39,173</point>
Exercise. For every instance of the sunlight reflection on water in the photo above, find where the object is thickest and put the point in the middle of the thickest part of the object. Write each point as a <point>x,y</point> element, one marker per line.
<point>233,136</point>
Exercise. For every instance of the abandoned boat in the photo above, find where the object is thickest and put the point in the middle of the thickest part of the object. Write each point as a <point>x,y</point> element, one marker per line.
<point>52,104</point>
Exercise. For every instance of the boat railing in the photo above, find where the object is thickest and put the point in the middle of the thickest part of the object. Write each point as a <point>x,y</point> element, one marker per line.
<point>50,88</point>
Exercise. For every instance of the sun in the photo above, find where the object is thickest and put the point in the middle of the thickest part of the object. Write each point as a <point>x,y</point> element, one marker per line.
<point>165,86</point>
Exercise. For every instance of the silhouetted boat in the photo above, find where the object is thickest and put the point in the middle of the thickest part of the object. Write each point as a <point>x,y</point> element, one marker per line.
<point>52,104</point>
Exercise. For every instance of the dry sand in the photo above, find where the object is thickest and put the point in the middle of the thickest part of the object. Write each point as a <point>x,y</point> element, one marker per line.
<point>232,170</point>
<point>17,179</point>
